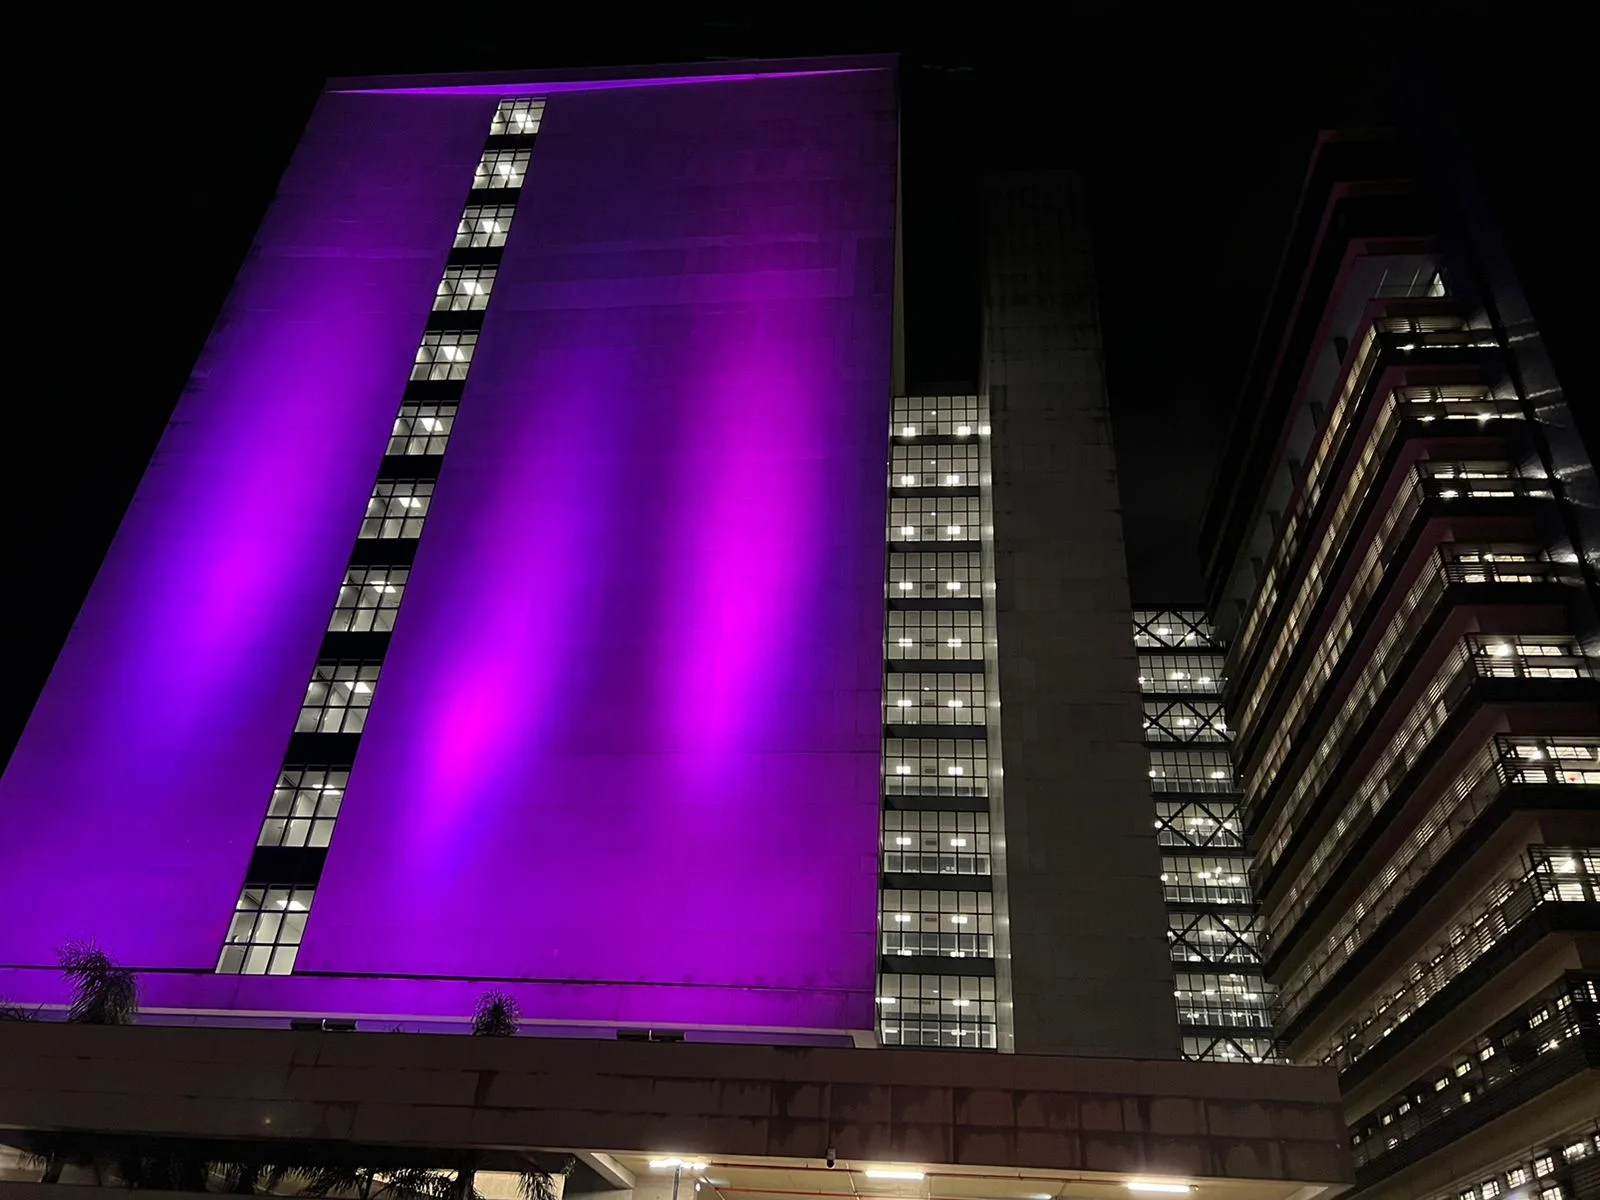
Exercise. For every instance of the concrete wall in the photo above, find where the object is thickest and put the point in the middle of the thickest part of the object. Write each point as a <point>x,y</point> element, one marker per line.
<point>933,1108</point>
<point>1090,973</point>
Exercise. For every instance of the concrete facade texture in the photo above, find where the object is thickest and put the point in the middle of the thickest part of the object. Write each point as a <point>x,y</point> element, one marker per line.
<point>643,628</point>
<point>1090,973</point>
<point>930,1108</point>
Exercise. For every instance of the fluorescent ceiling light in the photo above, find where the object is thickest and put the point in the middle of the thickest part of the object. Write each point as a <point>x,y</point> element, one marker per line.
<point>886,1174</point>
<point>1166,1189</point>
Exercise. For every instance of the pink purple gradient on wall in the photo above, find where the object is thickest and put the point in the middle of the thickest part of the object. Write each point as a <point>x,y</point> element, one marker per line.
<point>623,758</point>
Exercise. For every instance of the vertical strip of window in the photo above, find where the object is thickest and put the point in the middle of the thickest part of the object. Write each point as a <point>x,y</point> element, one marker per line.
<point>269,919</point>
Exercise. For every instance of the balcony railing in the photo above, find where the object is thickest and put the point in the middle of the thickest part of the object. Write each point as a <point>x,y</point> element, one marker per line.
<point>1472,659</point>
<point>1450,564</point>
<point>1505,761</point>
<point>1297,522</point>
<point>1547,876</point>
<point>1563,1167</point>
<point>1461,482</point>
<point>1546,1042</point>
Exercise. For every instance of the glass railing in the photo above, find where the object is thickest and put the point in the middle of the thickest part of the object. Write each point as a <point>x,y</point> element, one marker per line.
<point>1476,657</point>
<point>1534,1048</point>
<point>1298,520</point>
<point>1564,1166</point>
<point>1342,526</point>
<point>1453,563</point>
<point>1460,483</point>
<point>1565,761</point>
<point>1546,875</point>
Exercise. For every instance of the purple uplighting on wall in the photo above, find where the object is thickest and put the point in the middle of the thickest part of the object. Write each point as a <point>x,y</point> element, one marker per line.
<point>132,802</point>
<point>623,759</point>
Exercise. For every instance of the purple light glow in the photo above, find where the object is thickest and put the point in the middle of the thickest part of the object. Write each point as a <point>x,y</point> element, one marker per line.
<point>625,750</point>
<point>134,797</point>
<point>636,681</point>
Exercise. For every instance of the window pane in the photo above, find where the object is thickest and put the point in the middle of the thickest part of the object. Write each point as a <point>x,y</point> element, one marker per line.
<point>464,289</point>
<point>484,225</point>
<point>337,698</point>
<point>445,354</point>
<point>266,945</point>
<point>397,508</point>
<point>368,599</point>
<point>521,115</point>
<point>422,429</point>
<point>501,169</point>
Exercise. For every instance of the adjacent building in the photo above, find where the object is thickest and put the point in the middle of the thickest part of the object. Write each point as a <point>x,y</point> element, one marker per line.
<point>1402,553</point>
<point>1213,927</point>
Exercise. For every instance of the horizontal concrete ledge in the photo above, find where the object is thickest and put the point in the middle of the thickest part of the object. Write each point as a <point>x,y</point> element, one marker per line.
<point>964,1111</point>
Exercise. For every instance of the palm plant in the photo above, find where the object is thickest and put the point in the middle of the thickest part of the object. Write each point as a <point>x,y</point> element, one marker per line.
<point>103,993</point>
<point>542,1185</point>
<point>369,1183</point>
<point>497,1015</point>
<point>249,1178</point>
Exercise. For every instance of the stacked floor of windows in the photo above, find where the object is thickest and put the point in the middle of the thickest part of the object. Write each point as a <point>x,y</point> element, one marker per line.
<point>274,904</point>
<point>937,984</point>
<point>1223,999</point>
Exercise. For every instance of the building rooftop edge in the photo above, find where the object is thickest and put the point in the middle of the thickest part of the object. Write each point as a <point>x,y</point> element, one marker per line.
<point>580,78</point>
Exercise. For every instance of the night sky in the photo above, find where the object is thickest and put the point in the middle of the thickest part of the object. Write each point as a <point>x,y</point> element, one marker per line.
<point>154,144</point>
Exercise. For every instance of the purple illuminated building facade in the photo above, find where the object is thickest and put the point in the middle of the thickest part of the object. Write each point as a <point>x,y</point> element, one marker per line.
<point>547,583</point>
<point>544,433</point>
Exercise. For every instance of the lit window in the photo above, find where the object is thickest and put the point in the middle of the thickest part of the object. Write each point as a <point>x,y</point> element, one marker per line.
<point>1205,880</point>
<point>484,225</point>
<point>501,169</point>
<point>397,508</point>
<point>935,843</point>
<point>940,415</point>
<point>1182,673</point>
<point>368,599</point>
<point>268,925</point>
<point>464,289</point>
<point>1153,629</point>
<point>935,767</point>
<point>337,698</point>
<point>521,115</point>
<point>914,698</point>
<point>1222,999</point>
<point>936,575</point>
<point>422,429</point>
<point>953,1011</point>
<point>950,924</point>
<point>1190,771</point>
<point>304,806</point>
<point>947,634</point>
<point>446,354</point>
<point>1211,937</point>
<point>1174,720</point>
<point>934,466</point>
<point>938,518</point>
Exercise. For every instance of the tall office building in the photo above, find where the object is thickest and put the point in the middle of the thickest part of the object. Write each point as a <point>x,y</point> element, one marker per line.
<point>511,604</point>
<point>506,603</point>
<point>1213,927</point>
<point>1402,553</point>
<point>502,602</point>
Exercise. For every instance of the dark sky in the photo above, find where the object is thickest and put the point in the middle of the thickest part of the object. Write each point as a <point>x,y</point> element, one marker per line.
<point>150,145</point>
